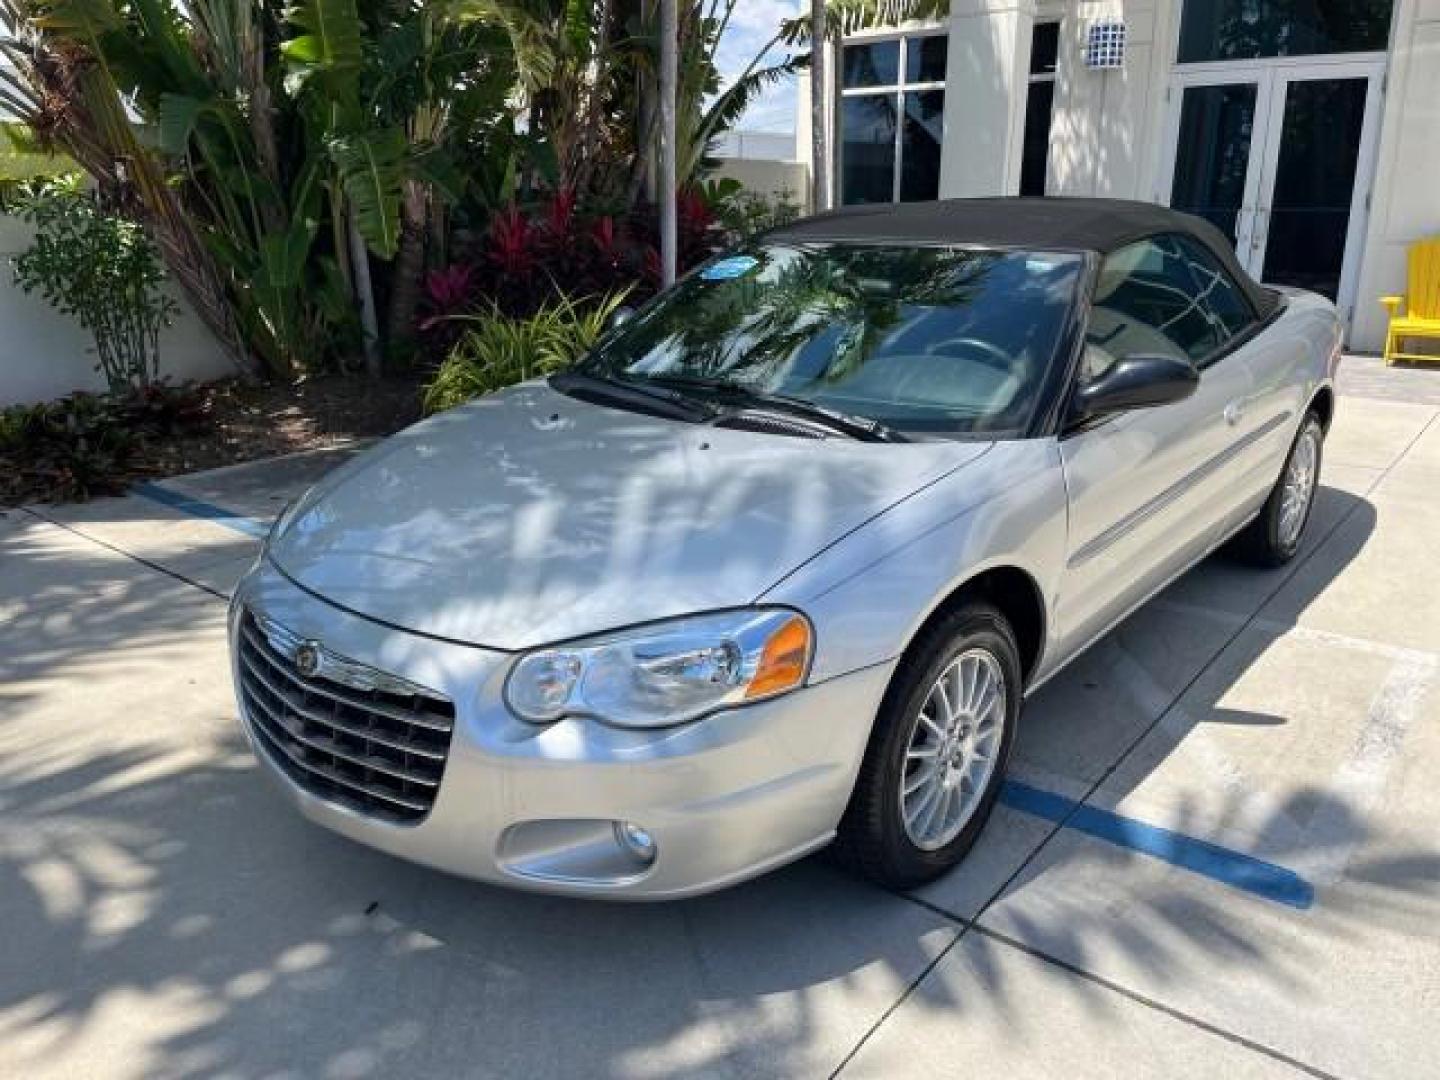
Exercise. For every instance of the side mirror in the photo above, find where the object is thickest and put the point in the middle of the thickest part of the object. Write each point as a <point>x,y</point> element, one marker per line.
<point>620,316</point>
<point>1136,382</point>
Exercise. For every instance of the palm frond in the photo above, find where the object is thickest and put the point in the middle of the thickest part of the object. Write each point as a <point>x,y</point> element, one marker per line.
<point>844,17</point>
<point>725,111</point>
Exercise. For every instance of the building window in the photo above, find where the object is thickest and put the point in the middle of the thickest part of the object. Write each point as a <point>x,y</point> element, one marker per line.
<point>1039,103</point>
<point>892,112</point>
<point>1249,29</point>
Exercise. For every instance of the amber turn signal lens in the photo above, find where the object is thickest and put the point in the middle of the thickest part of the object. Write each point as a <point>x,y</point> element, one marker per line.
<point>783,661</point>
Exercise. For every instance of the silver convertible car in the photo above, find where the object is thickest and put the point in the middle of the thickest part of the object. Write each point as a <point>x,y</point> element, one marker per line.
<point>778,562</point>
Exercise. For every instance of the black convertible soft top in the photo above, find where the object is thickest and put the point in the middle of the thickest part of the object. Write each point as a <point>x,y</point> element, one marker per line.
<point>1069,224</point>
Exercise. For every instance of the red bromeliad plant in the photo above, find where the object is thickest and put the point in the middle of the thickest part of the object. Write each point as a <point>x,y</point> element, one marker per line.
<point>560,215</point>
<point>556,251</point>
<point>511,246</point>
<point>447,292</point>
<point>696,228</point>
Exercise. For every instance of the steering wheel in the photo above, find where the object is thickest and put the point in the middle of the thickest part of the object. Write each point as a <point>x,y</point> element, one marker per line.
<point>957,352</point>
<point>987,352</point>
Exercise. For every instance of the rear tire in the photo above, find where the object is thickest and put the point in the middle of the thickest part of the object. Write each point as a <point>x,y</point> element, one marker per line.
<point>967,666</point>
<point>1273,538</point>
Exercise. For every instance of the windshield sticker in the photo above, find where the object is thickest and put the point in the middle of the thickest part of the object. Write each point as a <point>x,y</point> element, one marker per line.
<point>729,269</point>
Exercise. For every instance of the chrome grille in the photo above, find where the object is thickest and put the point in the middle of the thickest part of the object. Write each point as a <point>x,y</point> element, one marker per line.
<point>379,750</point>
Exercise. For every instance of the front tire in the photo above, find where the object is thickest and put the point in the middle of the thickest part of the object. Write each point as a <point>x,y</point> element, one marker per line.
<point>937,755</point>
<point>1273,538</point>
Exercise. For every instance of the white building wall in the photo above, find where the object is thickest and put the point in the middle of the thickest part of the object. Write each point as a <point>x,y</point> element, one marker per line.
<point>788,179</point>
<point>45,355</point>
<point>985,78</point>
<point>1105,133</point>
<point>1405,200</point>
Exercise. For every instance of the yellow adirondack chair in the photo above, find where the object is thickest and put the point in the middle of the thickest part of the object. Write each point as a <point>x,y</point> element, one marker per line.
<point>1422,317</point>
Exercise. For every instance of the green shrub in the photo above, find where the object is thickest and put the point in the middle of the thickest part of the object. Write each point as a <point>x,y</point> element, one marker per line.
<point>84,444</point>
<point>495,351</point>
<point>102,270</point>
<point>22,160</point>
<point>744,214</point>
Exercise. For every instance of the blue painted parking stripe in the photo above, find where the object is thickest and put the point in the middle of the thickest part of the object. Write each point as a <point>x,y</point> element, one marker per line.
<point>198,508</point>
<point>1255,876</point>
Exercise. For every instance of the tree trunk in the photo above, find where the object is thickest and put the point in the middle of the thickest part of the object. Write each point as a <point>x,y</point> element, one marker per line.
<point>364,296</point>
<point>819,143</point>
<point>669,72</point>
<point>592,126</point>
<point>409,265</point>
<point>642,174</point>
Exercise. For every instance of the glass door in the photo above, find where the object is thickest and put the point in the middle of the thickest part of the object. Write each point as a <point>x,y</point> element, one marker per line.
<point>1315,176</point>
<point>1215,176</point>
<point>1277,155</point>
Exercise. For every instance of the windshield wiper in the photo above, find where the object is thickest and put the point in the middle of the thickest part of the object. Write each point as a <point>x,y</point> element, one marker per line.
<point>660,402</point>
<point>857,427</point>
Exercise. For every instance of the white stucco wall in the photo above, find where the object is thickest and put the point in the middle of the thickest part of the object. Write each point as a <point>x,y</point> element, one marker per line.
<point>1405,205</point>
<point>789,178</point>
<point>985,75</point>
<point>45,355</point>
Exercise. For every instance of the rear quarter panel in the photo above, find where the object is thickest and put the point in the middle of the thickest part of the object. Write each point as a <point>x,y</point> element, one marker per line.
<point>1290,361</point>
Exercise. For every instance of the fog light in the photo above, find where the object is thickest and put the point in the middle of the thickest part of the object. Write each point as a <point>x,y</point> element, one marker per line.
<point>636,841</point>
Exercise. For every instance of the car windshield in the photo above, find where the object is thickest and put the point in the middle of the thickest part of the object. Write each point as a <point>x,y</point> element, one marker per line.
<point>927,339</point>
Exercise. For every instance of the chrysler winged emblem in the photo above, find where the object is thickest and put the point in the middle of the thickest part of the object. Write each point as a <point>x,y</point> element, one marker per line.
<point>313,660</point>
<point>307,658</point>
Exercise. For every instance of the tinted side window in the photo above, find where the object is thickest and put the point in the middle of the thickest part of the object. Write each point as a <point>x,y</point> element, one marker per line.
<point>1147,301</point>
<point>1217,288</point>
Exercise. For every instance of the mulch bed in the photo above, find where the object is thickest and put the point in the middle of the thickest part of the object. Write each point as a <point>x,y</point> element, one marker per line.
<point>245,422</point>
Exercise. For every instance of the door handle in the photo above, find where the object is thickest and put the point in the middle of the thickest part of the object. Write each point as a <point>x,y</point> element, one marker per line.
<point>1257,229</point>
<point>1234,412</point>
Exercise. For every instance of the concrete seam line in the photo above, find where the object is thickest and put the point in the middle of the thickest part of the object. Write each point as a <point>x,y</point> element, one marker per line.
<point>127,554</point>
<point>1160,1007</point>
<point>1134,996</point>
<point>905,994</point>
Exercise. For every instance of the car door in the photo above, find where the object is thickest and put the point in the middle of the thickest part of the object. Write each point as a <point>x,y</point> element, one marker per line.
<point>1146,488</point>
<point>1265,421</point>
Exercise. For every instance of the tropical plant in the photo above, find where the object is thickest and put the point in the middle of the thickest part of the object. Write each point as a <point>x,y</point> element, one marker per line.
<point>103,271</point>
<point>495,351</point>
<point>302,170</point>
<point>744,213</point>
<point>22,161</point>
<point>57,79</point>
<point>705,109</point>
<point>85,444</point>
<point>268,129</point>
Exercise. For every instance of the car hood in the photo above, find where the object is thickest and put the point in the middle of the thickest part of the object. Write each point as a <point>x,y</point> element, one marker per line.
<point>529,517</point>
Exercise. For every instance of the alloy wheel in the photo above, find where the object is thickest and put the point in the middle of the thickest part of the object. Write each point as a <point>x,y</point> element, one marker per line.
<point>953,749</point>
<point>1299,486</point>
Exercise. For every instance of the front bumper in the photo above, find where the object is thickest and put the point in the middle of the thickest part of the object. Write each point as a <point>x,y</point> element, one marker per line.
<point>725,798</point>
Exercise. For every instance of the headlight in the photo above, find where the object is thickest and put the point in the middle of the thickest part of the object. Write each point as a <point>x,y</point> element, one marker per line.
<point>665,673</point>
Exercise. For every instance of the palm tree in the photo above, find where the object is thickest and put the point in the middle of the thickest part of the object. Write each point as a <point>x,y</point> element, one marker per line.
<point>54,80</point>
<point>819,144</point>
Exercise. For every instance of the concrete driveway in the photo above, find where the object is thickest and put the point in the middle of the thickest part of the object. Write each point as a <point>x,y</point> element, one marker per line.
<point>1219,853</point>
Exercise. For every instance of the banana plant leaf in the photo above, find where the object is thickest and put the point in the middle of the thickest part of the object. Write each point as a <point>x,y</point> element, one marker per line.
<point>372,168</point>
